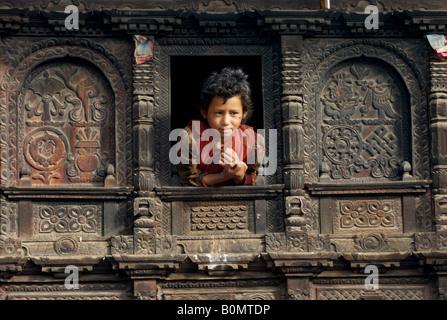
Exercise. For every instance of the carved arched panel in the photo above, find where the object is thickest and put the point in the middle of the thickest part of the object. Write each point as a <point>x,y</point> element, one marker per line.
<point>330,61</point>
<point>69,115</point>
<point>83,76</point>
<point>388,54</point>
<point>365,127</point>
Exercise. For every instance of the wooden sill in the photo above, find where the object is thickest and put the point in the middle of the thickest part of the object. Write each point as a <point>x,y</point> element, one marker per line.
<point>68,192</point>
<point>179,193</point>
<point>376,187</point>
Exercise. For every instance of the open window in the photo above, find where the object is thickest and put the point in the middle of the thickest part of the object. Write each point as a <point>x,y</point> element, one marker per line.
<point>188,74</point>
<point>181,71</point>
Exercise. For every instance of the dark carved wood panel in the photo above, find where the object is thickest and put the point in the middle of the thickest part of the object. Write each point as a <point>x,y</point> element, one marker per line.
<point>367,136</point>
<point>218,218</point>
<point>364,121</point>
<point>56,219</point>
<point>339,51</point>
<point>69,136</point>
<point>367,215</point>
<point>109,76</point>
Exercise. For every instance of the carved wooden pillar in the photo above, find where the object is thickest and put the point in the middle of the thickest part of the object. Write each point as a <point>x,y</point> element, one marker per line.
<point>292,113</point>
<point>143,128</point>
<point>438,128</point>
<point>292,116</point>
<point>144,179</point>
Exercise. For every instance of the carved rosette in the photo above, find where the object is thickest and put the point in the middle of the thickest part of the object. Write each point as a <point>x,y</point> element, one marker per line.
<point>371,242</point>
<point>66,246</point>
<point>121,245</point>
<point>275,242</point>
<point>425,241</point>
<point>10,246</point>
<point>144,239</point>
<point>296,241</point>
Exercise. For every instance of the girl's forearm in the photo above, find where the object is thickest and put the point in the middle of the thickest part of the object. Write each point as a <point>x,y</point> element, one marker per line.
<point>239,180</point>
<point>214,178</point>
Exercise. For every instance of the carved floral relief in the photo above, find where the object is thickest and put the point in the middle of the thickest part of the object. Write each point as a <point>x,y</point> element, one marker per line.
<point>69,116</point>
<point>364,121</point>
<point>367,214</point>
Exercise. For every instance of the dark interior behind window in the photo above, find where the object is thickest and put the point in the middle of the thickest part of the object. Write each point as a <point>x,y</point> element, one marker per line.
<point>188,74</point>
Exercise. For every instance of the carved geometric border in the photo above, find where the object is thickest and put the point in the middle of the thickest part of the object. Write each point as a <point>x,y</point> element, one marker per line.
<point>43,291</point>
<point>356,292</point>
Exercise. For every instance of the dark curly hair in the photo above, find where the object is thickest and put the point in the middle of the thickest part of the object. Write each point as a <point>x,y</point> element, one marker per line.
<point>227,83</point>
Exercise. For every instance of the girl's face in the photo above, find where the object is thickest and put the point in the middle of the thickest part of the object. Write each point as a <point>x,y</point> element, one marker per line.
<point>225,117</point>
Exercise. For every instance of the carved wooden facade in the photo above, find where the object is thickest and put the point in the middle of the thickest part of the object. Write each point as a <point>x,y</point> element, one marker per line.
<point>361,120</point>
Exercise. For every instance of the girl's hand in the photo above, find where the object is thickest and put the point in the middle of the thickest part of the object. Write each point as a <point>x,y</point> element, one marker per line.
<point>229,157</point>
<point>234,168</point>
